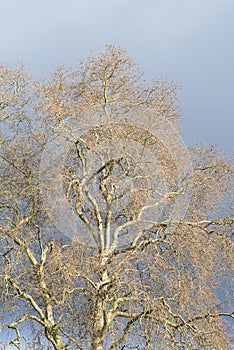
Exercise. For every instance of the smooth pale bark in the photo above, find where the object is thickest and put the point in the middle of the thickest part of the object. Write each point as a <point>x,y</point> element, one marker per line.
<point>101,317</point>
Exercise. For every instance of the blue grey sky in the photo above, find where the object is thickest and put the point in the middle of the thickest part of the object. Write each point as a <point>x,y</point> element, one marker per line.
<point>190,41</point>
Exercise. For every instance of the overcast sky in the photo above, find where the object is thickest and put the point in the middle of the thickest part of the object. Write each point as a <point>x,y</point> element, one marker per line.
<point>191,41</point>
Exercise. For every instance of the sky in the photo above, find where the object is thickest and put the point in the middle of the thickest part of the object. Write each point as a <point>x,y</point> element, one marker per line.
<point>189,41</point>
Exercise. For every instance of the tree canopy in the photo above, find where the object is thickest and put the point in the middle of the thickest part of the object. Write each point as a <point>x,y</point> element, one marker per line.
<point>114,235</point>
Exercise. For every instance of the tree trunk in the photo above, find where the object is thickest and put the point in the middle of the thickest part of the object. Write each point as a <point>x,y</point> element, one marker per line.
<point>101,321</point>
<point>54,336</point>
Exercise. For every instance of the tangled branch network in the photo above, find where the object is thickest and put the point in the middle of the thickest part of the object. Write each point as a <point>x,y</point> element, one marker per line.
<point>105,180</point>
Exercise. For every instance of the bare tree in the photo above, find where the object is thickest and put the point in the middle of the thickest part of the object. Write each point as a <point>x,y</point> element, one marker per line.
<point>114,235</point>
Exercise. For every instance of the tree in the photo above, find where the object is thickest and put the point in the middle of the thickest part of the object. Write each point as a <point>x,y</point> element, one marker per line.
<point>114,235</point>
